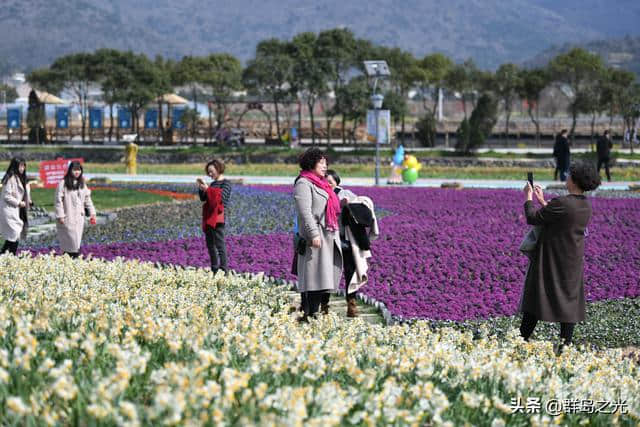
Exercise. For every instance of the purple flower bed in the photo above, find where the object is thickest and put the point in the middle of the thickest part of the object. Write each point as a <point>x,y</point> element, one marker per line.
<point>442,254</point>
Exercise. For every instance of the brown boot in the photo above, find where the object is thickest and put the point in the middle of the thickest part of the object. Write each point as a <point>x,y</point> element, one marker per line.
<point>352,307</point>
<point>324,308</point>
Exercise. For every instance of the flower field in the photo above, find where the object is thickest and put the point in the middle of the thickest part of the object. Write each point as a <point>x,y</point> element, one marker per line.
<point>91,342</point>
<point>444,255</point>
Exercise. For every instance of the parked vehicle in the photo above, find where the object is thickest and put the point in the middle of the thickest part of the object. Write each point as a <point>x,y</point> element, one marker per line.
<point>230,137</point>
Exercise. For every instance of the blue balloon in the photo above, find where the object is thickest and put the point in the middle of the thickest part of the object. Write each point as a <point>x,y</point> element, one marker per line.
<point>398,157</point>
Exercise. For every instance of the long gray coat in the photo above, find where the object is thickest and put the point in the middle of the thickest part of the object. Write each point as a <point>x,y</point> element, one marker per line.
<point>320,268</point>
<point>11,226</point>
<point>554,287</point>
<point>70,205</point>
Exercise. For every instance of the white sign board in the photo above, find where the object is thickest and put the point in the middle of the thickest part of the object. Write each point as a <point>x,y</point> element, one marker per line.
<point>384,126</point>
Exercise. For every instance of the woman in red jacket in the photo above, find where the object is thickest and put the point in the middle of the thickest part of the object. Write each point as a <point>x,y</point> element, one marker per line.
<point>215,198</point>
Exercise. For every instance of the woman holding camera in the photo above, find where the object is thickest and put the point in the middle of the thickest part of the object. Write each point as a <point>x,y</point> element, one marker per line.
<point>317,209</point>
<point>72,200</point>
<point>554,288</point>
<point>216,200</point>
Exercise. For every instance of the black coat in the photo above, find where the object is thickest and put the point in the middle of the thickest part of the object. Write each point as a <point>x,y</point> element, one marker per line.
<point>561,151</point>
<point>357,216</point>
<point>554,287</point>
<point>604,146</point>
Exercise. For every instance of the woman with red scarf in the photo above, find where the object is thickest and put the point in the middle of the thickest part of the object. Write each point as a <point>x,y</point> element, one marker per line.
<point>317,209</point>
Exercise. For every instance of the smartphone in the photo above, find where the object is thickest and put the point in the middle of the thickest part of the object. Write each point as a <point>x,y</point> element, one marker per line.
<point>530,178</point>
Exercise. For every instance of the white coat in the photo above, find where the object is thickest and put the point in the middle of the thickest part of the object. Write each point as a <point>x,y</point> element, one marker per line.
<point>11,226</point>
<point>70,206</point>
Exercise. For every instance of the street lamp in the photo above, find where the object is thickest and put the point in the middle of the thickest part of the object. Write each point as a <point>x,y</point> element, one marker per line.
<point>377,70</point>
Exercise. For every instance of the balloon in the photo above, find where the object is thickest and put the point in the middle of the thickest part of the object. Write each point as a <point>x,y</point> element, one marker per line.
<point>398,157</point>
<point>409,175</point>
<point>412,162</point>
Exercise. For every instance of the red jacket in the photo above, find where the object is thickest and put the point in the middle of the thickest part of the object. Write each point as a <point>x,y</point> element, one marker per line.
<point>213,209</point>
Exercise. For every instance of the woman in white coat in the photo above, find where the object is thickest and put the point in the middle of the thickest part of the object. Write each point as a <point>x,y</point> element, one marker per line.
<point>15,201</point>
<point>72,198</point>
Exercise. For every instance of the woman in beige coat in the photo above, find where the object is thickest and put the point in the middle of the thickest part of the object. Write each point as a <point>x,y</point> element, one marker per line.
<point>72,198</point>
<point>319,260</point>
<point>15,201</point>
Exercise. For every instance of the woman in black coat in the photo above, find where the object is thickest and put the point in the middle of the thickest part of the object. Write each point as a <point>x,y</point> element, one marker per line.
<point>554,288</point>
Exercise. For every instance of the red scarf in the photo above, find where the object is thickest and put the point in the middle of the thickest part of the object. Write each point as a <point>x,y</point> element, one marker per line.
<point>333,204</point>
<point>212,209</point>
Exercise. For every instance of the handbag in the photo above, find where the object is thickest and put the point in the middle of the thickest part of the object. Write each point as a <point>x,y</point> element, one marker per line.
<point>301,244</point>
<point>530,240</point>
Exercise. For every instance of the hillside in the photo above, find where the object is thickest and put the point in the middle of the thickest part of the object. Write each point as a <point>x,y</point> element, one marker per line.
<point>623,52</point>
<point>34,32</point>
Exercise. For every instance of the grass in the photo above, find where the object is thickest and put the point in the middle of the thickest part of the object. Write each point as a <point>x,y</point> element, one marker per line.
<point>103,199</point>
<point>608,324</point>
<point>345,170</point>
<point>364,150</point>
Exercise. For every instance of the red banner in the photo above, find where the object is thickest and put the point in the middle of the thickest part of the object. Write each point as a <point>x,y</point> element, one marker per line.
<point>53,171</point>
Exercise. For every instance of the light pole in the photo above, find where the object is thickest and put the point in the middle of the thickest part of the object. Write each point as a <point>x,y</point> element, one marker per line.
<point>377,100</point>
<point>377,70</point>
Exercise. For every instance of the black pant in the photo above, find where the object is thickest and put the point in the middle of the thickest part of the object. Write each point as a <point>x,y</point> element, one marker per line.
<point>10,247</point>
<point>604,161</point>
<point>529,323</point>
<point>73,254</point>
<point>311,301</point>
<point>349,267</point>
<point>217,248</point>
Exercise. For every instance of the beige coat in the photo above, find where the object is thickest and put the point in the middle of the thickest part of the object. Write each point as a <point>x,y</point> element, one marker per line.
<point>360,256</point>
<point>70,205</point>
<point>11,226</point>
<point>320,268</point>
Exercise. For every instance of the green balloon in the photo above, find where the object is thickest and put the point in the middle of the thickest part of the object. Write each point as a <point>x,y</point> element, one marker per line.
<point>409,175</point>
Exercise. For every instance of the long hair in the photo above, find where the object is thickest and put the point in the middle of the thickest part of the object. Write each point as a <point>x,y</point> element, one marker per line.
<point>14,170</point>
<point>69,181</point>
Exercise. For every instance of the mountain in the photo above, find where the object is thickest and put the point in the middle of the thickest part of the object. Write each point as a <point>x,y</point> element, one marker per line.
<point>35,32</point>
<point>622,52</point>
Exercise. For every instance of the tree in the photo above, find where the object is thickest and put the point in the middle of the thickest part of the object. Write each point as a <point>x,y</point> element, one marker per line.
<point>630,108</point>
<point>593,99</point>
<point>618,83</point>
<point>336,50</point>
<point>9,93</point>
<point>473,132</point>
<point>309,73</point>
<point>190,71</point>
<point>578,69</point>
<point>396,104</point>
<point>532,83</point>
<point>223,76</point>
<point>110,72</point>
<point>405,74</point>
<point>142,82</point>
<point>270,73</point>
<point>36,119</point>
<point>75,73</point>
<point>351,103</point>
<point>507,82</point>
<point>434,69</point>
<point>463,79</point>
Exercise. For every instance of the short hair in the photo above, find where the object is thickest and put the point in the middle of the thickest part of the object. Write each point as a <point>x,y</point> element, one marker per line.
<point>334,175</point>
<point>563,131</point>
<point>310,158</point>
<point>216,163</point>
<point>585,175</point>
<point>606,132</point>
